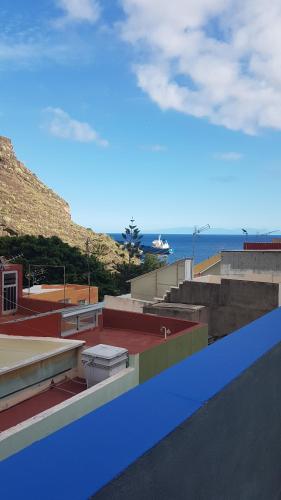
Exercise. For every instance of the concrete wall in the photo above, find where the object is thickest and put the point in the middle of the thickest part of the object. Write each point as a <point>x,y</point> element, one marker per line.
<point>124,303</point>
<point>49,421</point>
<point>251,262</point>
<point>156,283</point>
<point>73,293</point>
<point>231,304</point>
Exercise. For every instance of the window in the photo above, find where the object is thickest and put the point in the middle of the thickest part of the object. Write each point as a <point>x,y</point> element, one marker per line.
<point>10,291</point>
<point>82,302</point>
<point>69,325</point>
<point>87,320</point>
<point>78,319</point>
<point>10,278</point>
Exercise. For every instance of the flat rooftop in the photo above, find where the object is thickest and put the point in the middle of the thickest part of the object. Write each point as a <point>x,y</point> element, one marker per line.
<point>135,341</point>
<point>16,351</point>
<point>42,289</point>
<point>39,289</point>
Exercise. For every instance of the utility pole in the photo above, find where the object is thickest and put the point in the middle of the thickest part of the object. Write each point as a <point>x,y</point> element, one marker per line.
<point>29,277</point>
<point>87,244</point>
<point>64,285</point>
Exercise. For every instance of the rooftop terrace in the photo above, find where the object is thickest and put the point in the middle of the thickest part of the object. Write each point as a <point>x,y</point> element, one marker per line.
<point>136,341</point>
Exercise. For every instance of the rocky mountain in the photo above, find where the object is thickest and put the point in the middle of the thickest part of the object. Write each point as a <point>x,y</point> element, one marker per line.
<point>27,206</point>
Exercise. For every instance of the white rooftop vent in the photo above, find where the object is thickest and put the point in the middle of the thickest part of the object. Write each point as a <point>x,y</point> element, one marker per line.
<point>102,361</point>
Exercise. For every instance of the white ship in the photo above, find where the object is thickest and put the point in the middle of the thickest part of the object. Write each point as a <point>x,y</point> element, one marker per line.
<point>161,244</point>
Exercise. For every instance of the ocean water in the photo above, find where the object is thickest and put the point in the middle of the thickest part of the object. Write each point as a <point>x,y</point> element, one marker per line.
<point>206,245</point>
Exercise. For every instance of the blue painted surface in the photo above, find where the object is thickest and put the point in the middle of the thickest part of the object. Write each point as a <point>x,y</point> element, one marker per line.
<point>78,460</point>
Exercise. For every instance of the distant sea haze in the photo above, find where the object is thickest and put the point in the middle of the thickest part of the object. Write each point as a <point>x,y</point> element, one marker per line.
<point>206,245</point>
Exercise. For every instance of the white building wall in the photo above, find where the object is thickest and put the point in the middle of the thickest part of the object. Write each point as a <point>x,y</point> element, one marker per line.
<point>155,284</point>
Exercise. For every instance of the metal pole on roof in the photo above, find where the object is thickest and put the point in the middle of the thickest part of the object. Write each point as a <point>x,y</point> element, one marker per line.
<point>48,265</point>
<point>64,296</point>
<point>88,264</point>
<point>28,279</point>
<point>197,230</point>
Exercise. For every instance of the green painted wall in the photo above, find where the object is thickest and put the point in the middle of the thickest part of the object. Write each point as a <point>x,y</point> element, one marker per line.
<point>176,349</point>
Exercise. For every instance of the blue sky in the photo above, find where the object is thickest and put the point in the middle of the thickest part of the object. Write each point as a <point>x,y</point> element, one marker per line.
<point>120,118</point>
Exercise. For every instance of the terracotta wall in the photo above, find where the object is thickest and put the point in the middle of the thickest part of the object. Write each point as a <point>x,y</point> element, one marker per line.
<point>262,246</point>
<point>47,325</point>
<point>27,306</point>
<point>143,322</point>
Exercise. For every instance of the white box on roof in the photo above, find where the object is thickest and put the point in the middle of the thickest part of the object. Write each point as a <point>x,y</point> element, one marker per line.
<point>102,361</point>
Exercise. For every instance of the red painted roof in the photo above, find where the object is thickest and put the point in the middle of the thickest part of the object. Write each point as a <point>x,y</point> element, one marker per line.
<point>133,340</point>
<point>41,402</point>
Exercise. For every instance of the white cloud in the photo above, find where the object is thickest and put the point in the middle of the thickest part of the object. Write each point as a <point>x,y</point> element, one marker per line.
<point>78,11</point>
<point>60,124</point>
<point>155,148</point>
<point>213,59</point>
<point>228,156</point>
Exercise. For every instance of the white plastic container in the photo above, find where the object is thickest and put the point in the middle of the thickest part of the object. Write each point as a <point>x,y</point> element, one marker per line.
<point>102,361</point>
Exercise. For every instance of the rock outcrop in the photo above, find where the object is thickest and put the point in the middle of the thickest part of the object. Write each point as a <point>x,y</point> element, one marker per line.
<point>28,206</point>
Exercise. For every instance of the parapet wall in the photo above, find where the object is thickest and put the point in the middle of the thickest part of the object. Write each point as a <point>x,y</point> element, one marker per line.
<point>62,414</point>
<point>251,262</point>
<point>124,303</point>
<point>229,449</point>
<point>28,306</point>
<point>144,322</point>
<point>42,325</point>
